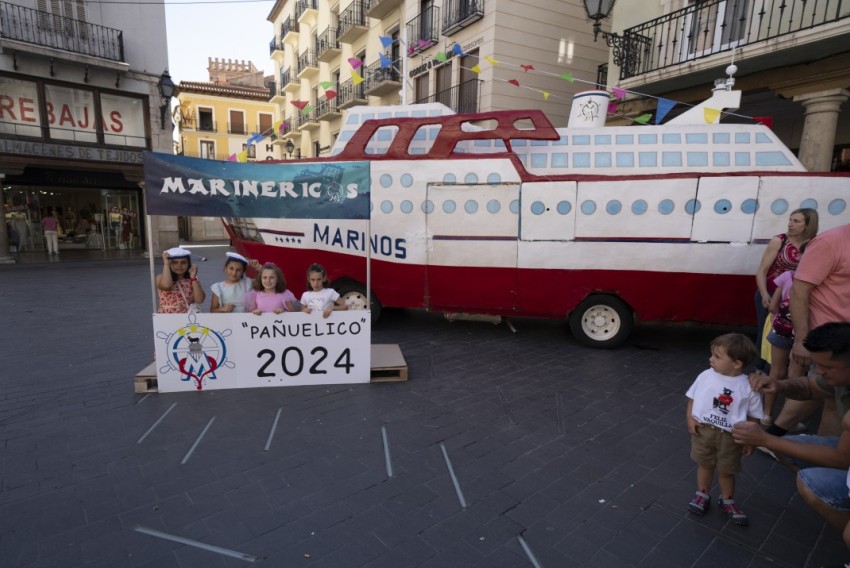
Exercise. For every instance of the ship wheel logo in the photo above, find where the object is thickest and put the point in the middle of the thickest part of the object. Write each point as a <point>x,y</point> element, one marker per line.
<point>196,352</point>
<point>589,111</point>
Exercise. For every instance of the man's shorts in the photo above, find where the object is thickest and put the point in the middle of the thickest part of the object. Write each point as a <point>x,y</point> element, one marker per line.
<point>716,447</point>
<point>828,484</point>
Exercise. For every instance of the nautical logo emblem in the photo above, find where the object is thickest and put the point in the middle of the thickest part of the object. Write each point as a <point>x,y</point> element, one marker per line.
<point>196,352</point>
<point>589,110</point>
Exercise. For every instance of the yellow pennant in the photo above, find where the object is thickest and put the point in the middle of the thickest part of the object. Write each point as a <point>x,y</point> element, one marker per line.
<point>242,156</point>
<point>545,95</point>
<point>711,115</point>
<point>490,60</point>
<point>475,69</point>
<point>356,78</point>
<point>276,125</point>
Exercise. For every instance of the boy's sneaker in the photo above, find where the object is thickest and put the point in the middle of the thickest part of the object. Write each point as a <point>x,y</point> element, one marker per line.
<point>700,503</point>
<point>731,508</point>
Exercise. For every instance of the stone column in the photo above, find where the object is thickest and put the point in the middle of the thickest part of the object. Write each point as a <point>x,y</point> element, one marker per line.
<point>821,119</point>
<point>5,257</point>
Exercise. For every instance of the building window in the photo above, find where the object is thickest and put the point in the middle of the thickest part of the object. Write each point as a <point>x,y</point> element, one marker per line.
<point>237,122</point>
<point>205,120</point>
<point>208,149</point>
<point>250,150</point>
<point>265,123</point>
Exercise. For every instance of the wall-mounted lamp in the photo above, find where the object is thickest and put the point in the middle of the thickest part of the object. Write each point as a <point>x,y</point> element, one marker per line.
<point>166,90</point>
<point>289,147</point>
<point>626,47</point>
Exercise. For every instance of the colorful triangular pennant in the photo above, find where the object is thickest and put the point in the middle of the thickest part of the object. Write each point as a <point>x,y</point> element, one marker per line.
<point>527,68</point>
<point>545,95</point>
<point>567,77</point>
<point>242,156</point>
<point>356,78</point>
<point>643,119</point>
<point>354,62</point>
<point>514,82</point>
<point>457,50</point>
<point>300,104</point>
<point>664,106</point>
<point>441,57</point>
<point>307,109</point>
<point>386,41</point>
<point>326,84</point>
<point>490,60</point>
<point>711,115</point>
<point>330,95</point>
<point>475,69</point>
<point>619,93</point>
<point>385,61</point>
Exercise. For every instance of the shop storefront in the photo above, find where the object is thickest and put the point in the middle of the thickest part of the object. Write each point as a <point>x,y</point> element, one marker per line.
<point>105,219</point>
<point>74,151</point>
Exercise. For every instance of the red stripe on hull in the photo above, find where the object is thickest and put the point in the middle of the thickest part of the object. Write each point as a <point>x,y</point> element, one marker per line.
<point>654,296</point>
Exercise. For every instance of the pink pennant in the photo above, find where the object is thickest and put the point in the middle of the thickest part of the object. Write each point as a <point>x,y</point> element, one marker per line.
<point>612,108</point>
<point>527,68</point>
<point>330,95</point>
<point>300,104</point>
<point>514,82</point>
<point>619,93</point>
<point>354,62</point>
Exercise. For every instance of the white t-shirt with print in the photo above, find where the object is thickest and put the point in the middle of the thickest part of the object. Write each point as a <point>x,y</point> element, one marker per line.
<point>723,401</point>
<point>318,301</point>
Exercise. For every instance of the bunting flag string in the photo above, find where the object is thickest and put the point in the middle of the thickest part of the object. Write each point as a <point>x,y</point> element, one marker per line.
<point>527,68</point>
<point>386,41</point>
<point>330,95</point>
<point>326,84</point>
<point>356,78</point>
<point>619,93</point>
<point>300,104</point>
<point>385,61</point>
<point>354,62</point>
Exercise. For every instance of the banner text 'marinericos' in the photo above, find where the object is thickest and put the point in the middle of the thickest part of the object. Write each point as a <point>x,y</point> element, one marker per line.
<point>249,188</point>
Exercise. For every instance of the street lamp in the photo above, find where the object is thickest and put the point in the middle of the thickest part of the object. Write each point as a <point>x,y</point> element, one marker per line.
<point>598,10</point>
<point>626,47</point>
<point>166,90</point>
<point>289,147</point>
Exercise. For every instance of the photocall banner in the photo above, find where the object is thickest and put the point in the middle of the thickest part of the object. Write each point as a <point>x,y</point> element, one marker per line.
<point>180,185</point>
<point>226,351</point>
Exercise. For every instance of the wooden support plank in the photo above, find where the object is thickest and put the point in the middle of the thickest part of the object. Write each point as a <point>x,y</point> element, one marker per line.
<point>388,364</point>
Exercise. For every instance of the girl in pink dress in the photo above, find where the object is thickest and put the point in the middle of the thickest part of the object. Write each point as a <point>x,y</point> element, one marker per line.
<point>269,293</point>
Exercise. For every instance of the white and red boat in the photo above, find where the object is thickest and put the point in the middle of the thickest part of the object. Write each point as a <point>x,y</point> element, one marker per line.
<point>501,213</point>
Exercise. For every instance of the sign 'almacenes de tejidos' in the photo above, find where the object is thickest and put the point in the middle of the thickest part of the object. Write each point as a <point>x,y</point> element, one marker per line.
<point>180,185</point>
<point>220,351</point>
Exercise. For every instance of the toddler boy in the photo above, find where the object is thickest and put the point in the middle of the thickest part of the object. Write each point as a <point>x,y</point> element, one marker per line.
<point>720,397</point>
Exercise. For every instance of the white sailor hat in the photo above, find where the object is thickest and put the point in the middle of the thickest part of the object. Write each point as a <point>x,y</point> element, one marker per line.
<point>237,256</point>
<point>178,252</point>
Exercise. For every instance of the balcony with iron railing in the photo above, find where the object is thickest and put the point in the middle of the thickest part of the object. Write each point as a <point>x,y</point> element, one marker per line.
<point>275,44</point>
<point>423,31</point>
<point>381,8</point>
<point>327,45</point>
<point>352,22</point>
<point>712,27</point>
<point>289,26</point>
<point>206,125</point>
<point>308,120</point>
<point>462,98</point>
<point>350,95</point>
<point>380,81</point>
<point>307,64</point>
<point>327,109</point>
<point>19,24</point>
<point>457,14</point>
<point>306,10</point>
<point>289,80</point>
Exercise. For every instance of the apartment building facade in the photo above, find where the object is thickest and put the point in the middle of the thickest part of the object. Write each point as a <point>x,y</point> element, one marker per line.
<point>227,118</point>
<point>329,56</point>
<point>81,98</point>
<point>792,59</point>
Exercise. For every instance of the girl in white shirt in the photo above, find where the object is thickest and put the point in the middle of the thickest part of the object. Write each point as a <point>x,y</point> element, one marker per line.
<point>229,295</point>
<point>318,298</point>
